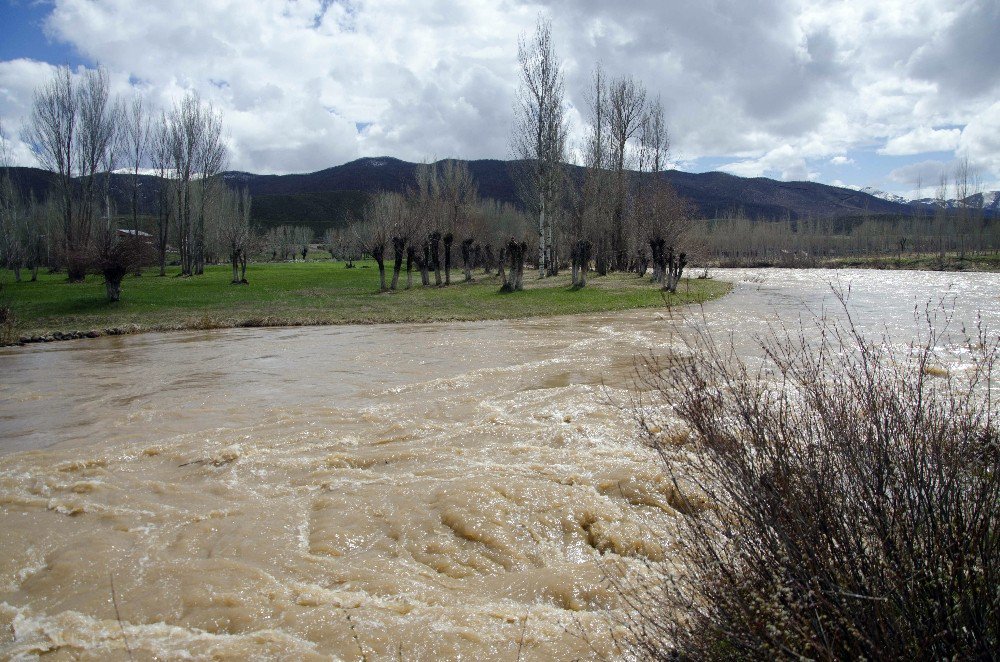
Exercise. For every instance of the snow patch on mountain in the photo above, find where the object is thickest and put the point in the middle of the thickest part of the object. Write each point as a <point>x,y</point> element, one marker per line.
<point>884,195</point>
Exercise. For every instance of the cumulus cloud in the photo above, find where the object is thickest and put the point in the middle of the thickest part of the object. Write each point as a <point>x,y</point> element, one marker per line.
<point>922,140</point>
<point>771,87</point>
<point>783,162</point>
<point>962,55</point>
<point>980,140</point>
<point>925,174</point>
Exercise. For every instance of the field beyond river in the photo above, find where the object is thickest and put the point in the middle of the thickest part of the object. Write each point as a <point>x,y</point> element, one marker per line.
<point>312,293</point>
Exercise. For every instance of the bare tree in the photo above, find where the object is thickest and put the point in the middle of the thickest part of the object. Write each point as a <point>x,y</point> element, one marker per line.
<point>340,243</point>
<point>626,111</point>
<point>300,238</point>
<point>136,130</point>
<point>654,139</point>
<point>539,137</point>
<point>72,130</point>
<point>50,133</point>
<point>9,209</point>
<point>197,155</point>
<point>98,147</point>
<point>232,222</point>
<point>383,215</point>
<point>161,155</point>
<point>427,228</point>
<point>590,205</point>
<point>457,192</point>
<point>115,255</point>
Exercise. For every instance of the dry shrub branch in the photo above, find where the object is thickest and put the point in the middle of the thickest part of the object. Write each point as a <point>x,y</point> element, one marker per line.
<point>858,502</point>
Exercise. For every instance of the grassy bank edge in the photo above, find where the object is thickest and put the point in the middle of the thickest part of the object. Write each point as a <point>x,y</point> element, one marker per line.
<point>705,290</point>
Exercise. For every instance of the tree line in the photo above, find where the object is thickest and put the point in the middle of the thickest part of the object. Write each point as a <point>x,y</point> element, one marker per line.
<point>82,133</point>
<point>439,223</point>
<point>942,227</point>
<point>607,219</point>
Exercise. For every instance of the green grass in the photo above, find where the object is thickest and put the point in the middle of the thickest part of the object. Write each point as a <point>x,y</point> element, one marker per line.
<point>313,293</point>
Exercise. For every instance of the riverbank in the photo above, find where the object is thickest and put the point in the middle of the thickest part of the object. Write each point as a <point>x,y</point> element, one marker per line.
<point>306,294</point>
<point>918,262</point>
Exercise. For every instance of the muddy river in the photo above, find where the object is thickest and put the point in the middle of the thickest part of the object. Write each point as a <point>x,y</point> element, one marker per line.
<point>378,492</point>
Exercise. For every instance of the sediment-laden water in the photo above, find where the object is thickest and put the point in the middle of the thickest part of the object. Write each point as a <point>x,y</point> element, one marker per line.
<point>421,491</point>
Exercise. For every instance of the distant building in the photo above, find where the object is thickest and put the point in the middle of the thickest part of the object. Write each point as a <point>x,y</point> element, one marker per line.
<point>145,237</point>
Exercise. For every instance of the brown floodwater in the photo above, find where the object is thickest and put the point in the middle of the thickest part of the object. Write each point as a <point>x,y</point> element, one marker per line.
<point>419,492</point>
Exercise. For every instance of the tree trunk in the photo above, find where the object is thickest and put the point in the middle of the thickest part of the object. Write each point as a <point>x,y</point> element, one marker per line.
<point>675,267</point>
<point>234,256</point>
<point>522,248</point>
<point>76,266</point>
<point>163,260</point>
<point>602,257</point>
<point>505,285</point>
<point>550,253</point>
<point>488,260</point>
<point>435,247</point>
<point>398,248</point>
<point>541,240</point>
<point>113,283</point>
<point>467,259</point>
<point>585,249</point>
<point>410,255</point>
<point>379,254</point>
<point>516,252</point>
<point>424,264</point>
<point>448,240</point>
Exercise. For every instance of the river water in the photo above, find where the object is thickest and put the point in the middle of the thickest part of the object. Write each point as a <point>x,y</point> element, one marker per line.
<point>417,492</point>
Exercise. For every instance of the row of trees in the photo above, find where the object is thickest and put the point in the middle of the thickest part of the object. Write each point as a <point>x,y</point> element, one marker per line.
<point>82,133</point>
<point>437,222</point>
<point>24,224</point>
<point>736,240</point>
<point>612,217</point>
<point>609,217</point>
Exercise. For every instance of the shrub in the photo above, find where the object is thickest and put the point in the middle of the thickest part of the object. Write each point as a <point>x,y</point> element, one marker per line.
<point>857,502</point>
<point>8,320</point>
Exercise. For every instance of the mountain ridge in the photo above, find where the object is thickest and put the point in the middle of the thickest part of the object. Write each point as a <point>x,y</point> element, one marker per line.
<point>329,197</point>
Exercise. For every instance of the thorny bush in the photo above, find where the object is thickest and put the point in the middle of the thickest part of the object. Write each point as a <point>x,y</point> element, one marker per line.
<point>857,501</point>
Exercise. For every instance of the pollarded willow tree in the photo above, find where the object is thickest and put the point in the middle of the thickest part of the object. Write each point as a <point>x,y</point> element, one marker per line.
<point>538,142</point>
<point>229,211</point>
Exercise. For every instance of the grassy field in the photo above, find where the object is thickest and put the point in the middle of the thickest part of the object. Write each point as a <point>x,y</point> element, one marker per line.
<point>299,293</point>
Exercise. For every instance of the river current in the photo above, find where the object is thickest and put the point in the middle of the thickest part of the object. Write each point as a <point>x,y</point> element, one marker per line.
<point>427,491</point>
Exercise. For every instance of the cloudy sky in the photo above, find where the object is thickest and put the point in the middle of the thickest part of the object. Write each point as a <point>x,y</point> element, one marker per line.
<point>850,92</point>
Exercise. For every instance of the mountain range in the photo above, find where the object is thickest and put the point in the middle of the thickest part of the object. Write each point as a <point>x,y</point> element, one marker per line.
<point>327,198</point>
<point>989,201</point>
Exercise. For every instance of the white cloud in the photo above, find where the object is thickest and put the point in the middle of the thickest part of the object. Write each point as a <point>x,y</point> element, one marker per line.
<point>785,162</point>
<point>775,86</point>
<point>981,140</point>
<point>922,139</point>
<point>925,175</point>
